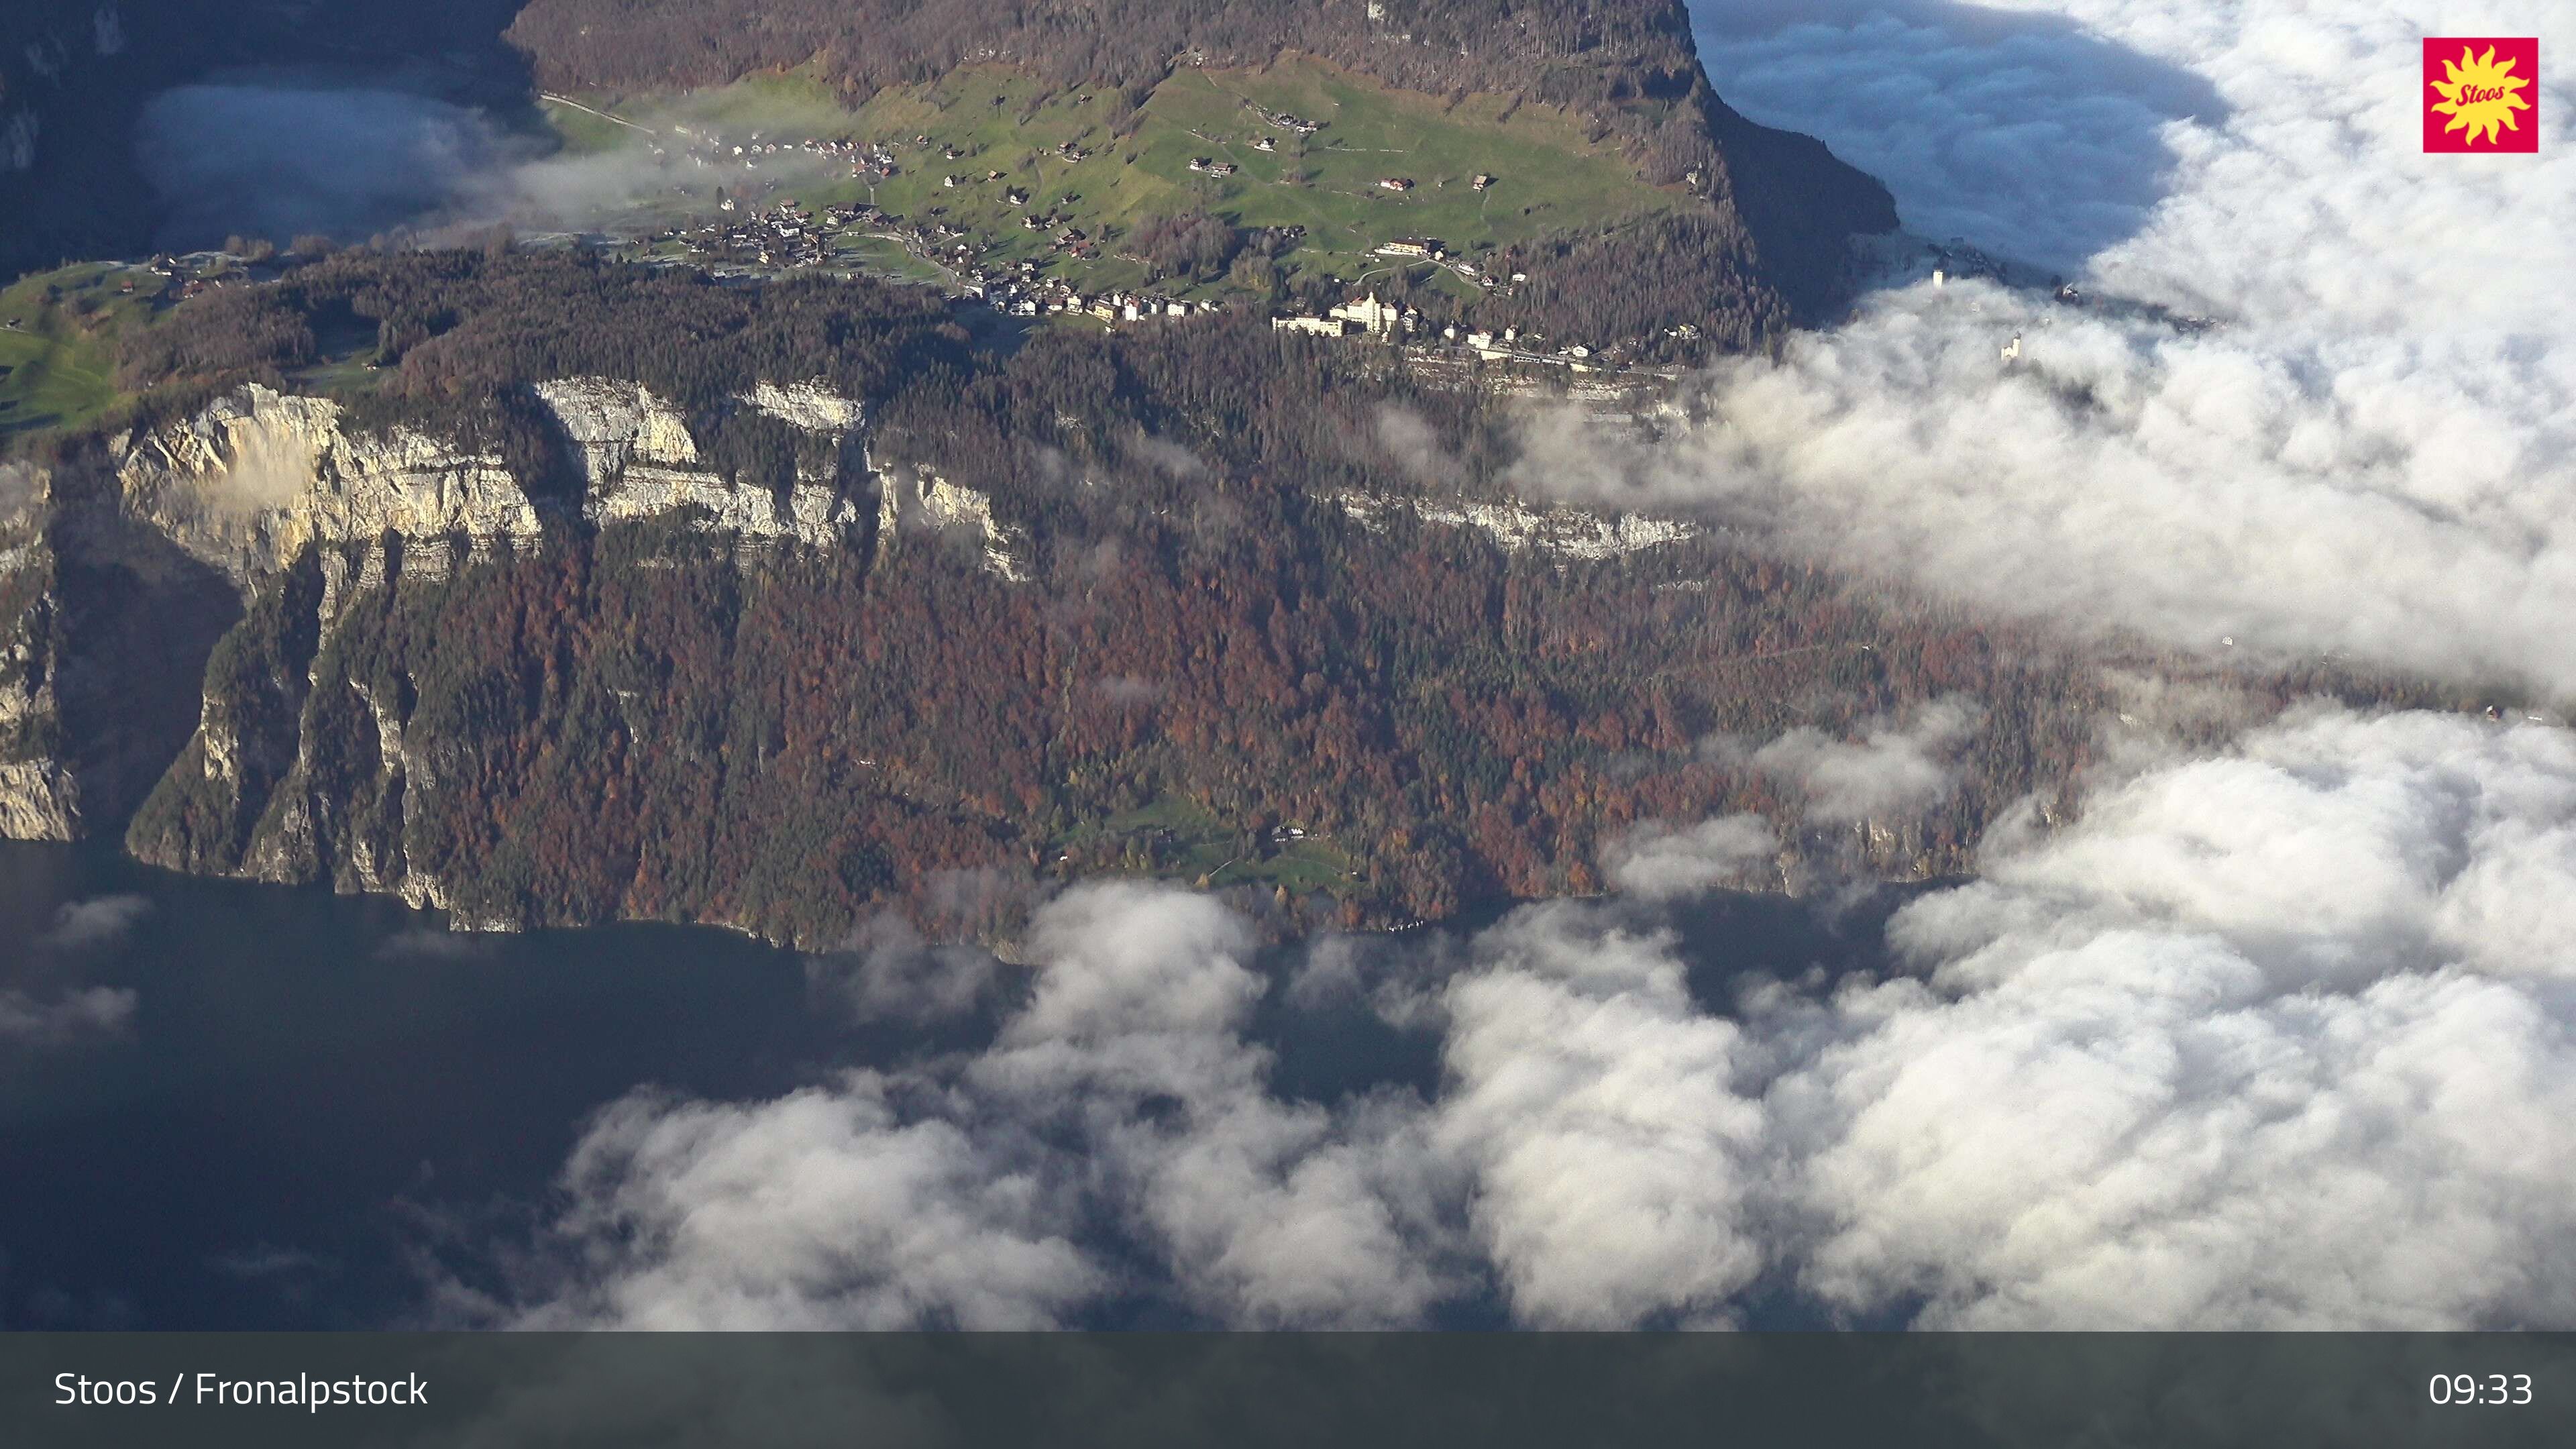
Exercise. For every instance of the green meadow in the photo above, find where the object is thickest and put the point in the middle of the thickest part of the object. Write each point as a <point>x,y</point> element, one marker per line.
<point>56,363</point>
<point>1548,174</point>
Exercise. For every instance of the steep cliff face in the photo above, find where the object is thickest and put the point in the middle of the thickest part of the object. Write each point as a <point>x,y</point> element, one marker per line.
<point>383,661</point>
<point>344,732</point>
<point>121,568</point>
<point>639,461</point>
<point>912,502</point>
<point>259,477</point>
<point>105,627</point>
<point>1570,534</point>
<point>39,799</point>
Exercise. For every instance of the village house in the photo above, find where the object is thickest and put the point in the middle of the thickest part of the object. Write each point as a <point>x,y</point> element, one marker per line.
<point>1378,319</point>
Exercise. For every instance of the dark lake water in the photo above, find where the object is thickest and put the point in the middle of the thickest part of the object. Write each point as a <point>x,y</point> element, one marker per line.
<point>303,1077</point>
<point>310,1091</point>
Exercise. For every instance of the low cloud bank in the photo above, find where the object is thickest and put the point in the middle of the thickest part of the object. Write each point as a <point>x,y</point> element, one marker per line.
<point>2282,1038</point>
<point>2368,452</point>
<point>1116,1144</point>
<point>281,155</point>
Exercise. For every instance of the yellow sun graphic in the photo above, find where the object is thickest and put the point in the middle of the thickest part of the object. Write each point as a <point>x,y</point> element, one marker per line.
<point>2479,96</point>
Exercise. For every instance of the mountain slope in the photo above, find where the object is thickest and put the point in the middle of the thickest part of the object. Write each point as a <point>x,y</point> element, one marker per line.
<point>614,592</point>
<point>1782,203</point>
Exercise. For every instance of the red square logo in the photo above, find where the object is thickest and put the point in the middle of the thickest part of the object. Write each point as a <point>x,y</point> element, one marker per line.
<point>2482,94</point>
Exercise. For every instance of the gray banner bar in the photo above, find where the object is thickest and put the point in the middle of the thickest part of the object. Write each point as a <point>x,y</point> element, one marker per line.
<point>1347,1391</point>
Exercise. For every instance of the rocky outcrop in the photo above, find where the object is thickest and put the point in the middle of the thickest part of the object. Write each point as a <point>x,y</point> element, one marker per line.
<point>105,628</point>
<point>111,603</point>
<point>639,461</point>
<point>812,406</point>
<point>1567,533</point>
<point>810,514</point>
<point>621,433</point>
<point>39,795</point>
<point>910,502</point>
<point>257,476</point>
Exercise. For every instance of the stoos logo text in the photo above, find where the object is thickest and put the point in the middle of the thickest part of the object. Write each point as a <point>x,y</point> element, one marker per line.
<point>2482,94</point>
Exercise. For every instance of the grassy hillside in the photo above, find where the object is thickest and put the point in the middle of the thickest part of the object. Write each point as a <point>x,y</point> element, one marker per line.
<point>56,362</point>
<point>1132,164</point>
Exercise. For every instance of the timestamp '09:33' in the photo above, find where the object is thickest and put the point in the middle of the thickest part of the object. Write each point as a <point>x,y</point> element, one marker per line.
<point>2498,1389</point>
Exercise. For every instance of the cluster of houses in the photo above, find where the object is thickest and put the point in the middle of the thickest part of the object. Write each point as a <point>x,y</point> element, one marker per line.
<point>196,273</point>
<point>784,235</point>
<point>1369,317</point>
<point>1428,249</point>
<point>709,149</point>
<point>1030,295</point>
<point>1282,120</point>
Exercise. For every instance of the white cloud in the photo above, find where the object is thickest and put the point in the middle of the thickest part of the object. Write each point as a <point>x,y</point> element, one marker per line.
<point>97,921</point>
<point>1596,1108</point>
<point>1657,861</point>
<point>2285,1037</point>
<point>823,1209</point>
<point>886,971</point>
<point>2245,1048</point>
<point>1120,1116</point>
<point>1890,770</point>
<point>2371,452</point>
<point>29,1019</point>
<point>288,152</point>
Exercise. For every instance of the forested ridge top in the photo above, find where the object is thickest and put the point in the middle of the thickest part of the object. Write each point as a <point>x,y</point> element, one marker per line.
<point>1555,50</point>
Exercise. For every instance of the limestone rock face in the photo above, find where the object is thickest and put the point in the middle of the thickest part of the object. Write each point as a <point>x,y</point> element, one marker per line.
<point>105,629</point>
<point>39,800</point>
<point>810,514</point>
<point>640,461</point>
<point>622,432</point>
<point>812,406</point>
<point>259,474</point>
<point>909,503</point>
<point>39,796</point>
<point>1569,533</point>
